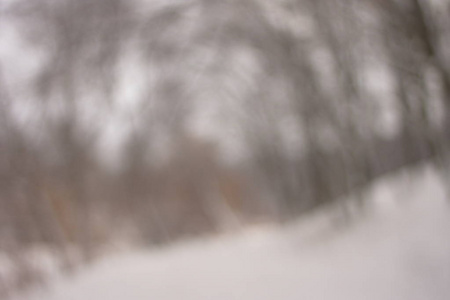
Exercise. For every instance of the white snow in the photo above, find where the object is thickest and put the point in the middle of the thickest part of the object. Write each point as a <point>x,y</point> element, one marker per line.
<point>399,249</point>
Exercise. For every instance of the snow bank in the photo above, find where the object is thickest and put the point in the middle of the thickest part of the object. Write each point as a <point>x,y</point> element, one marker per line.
<point>399,250</point>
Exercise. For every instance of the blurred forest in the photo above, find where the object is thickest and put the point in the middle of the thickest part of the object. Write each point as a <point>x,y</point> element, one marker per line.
<point>156,120</point>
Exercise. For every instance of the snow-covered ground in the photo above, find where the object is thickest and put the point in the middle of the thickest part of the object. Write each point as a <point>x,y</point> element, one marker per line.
<point>400,249</point>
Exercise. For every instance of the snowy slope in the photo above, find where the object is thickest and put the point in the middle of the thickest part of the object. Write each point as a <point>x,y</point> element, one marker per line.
<point>399,250</point>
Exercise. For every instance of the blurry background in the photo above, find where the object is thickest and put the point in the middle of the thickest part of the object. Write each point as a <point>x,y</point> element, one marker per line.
<point>149,121</point>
